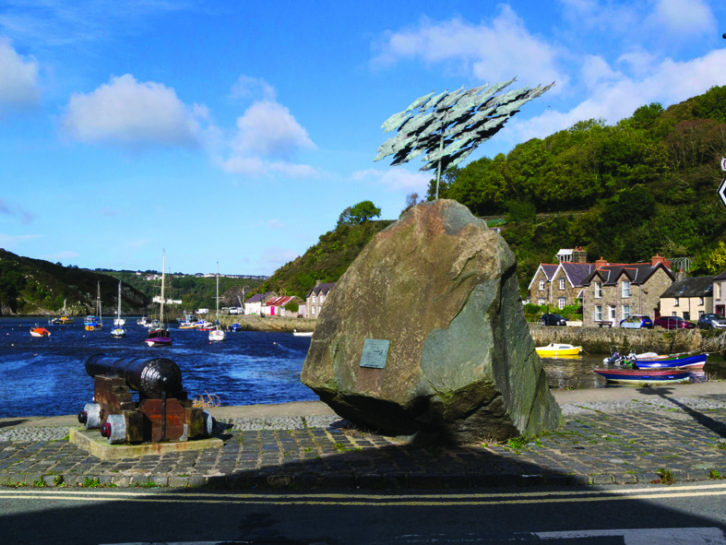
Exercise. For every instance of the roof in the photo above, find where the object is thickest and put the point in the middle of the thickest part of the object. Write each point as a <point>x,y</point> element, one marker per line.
<point>699,286</point>
<point>637,273</point>
<point>548,269</point>
<point>280,300</point>
<point>260,297</point>
<point>577,272</point>
<point>322,288</point>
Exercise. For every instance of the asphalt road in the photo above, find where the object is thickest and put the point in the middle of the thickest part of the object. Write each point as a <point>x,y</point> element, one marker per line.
<point>633,515</point>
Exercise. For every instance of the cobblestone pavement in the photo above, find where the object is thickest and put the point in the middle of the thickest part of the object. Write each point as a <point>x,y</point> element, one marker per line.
<point>596,444</point>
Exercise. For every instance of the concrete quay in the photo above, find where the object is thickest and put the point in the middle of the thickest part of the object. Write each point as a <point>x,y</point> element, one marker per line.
<point>664,434</point>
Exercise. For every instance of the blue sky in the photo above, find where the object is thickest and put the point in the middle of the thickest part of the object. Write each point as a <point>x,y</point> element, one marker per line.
<point>238,131</point>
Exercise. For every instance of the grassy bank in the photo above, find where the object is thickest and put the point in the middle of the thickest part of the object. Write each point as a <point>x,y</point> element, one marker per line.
<point>257,323</point>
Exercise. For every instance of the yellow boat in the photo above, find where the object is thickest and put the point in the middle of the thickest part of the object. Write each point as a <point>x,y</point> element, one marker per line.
<point>557,350</point>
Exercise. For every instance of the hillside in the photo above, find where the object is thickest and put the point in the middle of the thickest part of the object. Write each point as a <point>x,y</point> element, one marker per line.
<point>326,261</point>
<point>626,192</point>
<point>34,286</point>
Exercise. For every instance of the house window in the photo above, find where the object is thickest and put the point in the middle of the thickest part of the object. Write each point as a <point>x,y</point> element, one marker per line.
<point>540,301</point>
<point>700,301</point>
<point>562,283</point>
<point>541,285</point>
<point>611,313</point>
<point>626,288</point>
<point>598,313</point>
<point>676,304</point>
<point>598,290</point>
<point>626,311</point>
<point>561,302</point>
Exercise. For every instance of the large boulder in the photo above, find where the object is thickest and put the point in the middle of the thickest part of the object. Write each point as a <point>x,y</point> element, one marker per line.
<point>425,334</point>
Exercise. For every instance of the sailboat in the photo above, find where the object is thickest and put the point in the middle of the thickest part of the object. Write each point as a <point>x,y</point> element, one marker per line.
<point>63,319</point>
<point>118,324</point>
<point>95,321</point>
<point>159,336</point>
<point>217,334</point>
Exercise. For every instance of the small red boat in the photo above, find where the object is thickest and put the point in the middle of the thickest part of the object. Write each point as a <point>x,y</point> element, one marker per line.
<point>39,332</point>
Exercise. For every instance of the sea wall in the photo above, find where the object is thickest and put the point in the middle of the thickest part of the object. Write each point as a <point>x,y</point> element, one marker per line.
<point>601,340</point>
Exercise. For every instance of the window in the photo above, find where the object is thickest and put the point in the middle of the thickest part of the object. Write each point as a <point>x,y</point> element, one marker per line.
<point>626,288</point>
<point>677,303</point>
<point>626,311</point>
<point>611,313</point>
<point>541,285</point>
<point>700,300</point>
<point>540,301</point>
<point>562,283</point>
<point>598,313</point>
<point>561,302</point>
<point>598,290</point>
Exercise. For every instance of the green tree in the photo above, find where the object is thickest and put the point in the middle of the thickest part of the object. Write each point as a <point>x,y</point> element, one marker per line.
<point>359,213</point>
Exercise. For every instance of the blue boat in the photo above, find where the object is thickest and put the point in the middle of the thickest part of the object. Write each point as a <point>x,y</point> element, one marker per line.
<point>644,376</point>
<point>651,360</point>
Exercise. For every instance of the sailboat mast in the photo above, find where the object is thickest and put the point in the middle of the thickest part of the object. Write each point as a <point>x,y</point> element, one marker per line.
<point>161,312</point>
<point>118,314</point>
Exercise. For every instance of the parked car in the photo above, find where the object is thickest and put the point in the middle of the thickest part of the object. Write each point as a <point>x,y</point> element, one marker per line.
<point>711,321</point>
<point>673,322</point>
<point>552,319</point>
<point>637,321</point>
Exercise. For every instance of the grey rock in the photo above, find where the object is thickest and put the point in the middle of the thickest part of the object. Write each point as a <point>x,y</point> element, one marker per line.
<point>461,365</point>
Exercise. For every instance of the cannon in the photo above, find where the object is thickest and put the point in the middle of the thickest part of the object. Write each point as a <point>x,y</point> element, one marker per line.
<point>163,411</point>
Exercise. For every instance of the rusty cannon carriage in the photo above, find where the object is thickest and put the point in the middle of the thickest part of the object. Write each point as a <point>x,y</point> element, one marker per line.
<point>162,413</point>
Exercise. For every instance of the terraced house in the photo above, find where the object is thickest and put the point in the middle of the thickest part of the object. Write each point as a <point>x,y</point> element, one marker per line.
<point>560,285</point>
<point>614,291</point>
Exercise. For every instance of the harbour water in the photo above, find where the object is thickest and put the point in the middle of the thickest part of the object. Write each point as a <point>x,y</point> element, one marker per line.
<point>47,377</point>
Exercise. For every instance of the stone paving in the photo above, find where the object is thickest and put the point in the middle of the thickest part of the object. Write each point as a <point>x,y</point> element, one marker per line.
<point>676,443</point>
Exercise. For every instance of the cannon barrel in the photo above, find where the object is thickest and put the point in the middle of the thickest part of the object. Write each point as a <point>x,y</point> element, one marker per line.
<point>151,377</point>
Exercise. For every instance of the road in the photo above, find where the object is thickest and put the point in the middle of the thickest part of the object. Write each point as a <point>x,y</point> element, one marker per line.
<point>632,515</point>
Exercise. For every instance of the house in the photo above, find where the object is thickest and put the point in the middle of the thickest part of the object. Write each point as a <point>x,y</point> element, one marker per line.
<point>316,297</point>
<point>560,285</point>
<point>253,305</point>
<point>689,298</point>
<point>614,291</point>
<point>719,294</point>
<point>275,306</point>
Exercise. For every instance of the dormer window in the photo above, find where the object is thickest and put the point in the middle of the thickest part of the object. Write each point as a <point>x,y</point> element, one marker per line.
<point>598,290</point>
<point>626,288</point>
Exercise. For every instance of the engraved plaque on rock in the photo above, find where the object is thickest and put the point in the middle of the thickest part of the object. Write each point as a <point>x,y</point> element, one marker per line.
<point>375,352</point>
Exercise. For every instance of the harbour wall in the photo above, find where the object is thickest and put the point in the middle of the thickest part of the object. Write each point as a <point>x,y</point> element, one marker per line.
<point>603,340</point>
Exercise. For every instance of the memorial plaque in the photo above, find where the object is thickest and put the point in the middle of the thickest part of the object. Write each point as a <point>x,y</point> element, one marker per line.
<point>375,352</point>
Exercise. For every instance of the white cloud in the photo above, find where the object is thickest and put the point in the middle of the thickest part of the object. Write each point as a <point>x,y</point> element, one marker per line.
<point>131,114</point>
<point>683,17</point>
<point>10,242</point>
<point>249,87</point>
<point>496,51</point>
<point>396,178</point>
<point>267,135</point>
<point>670,82</point>
<point>18,79</point>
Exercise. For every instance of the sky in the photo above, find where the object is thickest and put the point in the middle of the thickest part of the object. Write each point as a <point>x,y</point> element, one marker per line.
<point>232,134</point>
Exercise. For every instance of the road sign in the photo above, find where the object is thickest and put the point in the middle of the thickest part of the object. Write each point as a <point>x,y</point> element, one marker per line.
<point>722,191</point>
<point>723,163</point>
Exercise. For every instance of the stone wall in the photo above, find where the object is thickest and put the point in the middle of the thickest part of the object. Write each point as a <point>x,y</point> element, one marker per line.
<point>600,340</point>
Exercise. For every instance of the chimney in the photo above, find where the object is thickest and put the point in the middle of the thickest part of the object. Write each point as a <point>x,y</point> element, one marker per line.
<point>579,255</point>
<point>600,263</point>
<point>656,259</point>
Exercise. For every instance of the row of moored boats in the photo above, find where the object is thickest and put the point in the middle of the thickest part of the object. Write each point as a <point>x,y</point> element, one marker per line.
<point>644,368</point>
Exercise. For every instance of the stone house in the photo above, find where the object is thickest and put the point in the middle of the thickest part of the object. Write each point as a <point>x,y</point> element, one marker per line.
<point>560,285</point>
<point>689,298</point>
<point>612,292</point>
<point>316,297</point>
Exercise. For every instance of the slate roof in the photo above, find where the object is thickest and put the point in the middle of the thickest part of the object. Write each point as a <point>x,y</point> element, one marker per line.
<point>322,288</point>
<point>637,273</point>
<point>260,297</point>
<point>700,286</point>
<point>577,272</point>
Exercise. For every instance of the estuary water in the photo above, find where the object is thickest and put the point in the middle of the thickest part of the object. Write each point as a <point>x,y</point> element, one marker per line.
<point>47,376</point>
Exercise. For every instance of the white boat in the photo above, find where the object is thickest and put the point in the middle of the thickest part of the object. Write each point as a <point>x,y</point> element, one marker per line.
<point>302,333</point>
<point>217,334</point>
<point>158,334</point>
<point>93,322</point>
<point>118,324</point>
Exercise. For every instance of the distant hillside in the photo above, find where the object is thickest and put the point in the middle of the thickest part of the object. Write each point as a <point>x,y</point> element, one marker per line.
<point>33,286</point>
<point>325,261</point>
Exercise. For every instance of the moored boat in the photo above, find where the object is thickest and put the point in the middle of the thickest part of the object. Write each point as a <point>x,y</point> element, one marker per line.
<point>158,333</point>
<point>556,350</point>
<point>643,376</point>
<point>39,332</point>
<point>302,333</point>
<point>651,360</point>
